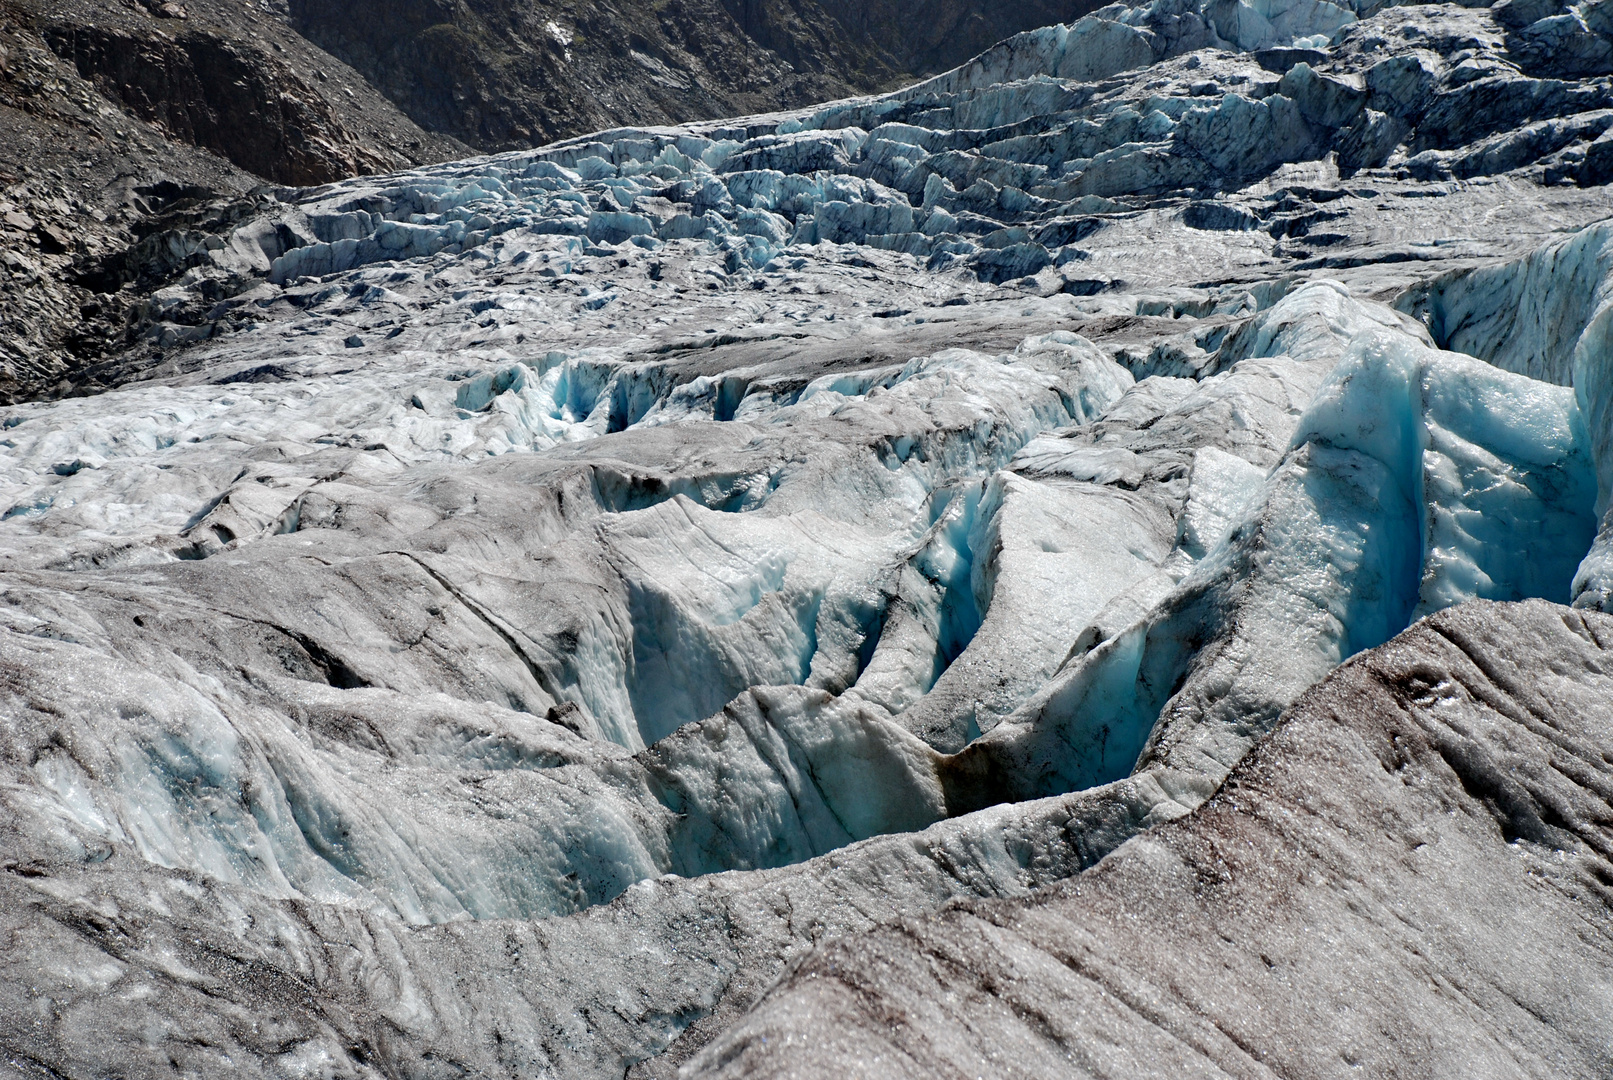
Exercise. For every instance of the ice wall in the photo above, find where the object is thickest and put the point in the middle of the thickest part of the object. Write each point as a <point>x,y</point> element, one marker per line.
<point>1414,480</point>
<point>1546,316</point>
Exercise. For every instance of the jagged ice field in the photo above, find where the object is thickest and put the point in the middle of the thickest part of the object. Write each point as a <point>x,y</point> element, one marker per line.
<point>556,614</point>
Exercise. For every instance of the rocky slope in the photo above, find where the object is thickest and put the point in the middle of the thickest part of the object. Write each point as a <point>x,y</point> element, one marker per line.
<point>234,81</point>
<point>505,615</point>
<point>116,117</point>
<point>506,76</point>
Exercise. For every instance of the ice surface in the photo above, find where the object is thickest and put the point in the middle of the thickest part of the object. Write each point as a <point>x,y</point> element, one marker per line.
<point>525,603</point>
<point>1313,912</point>
<point>1414,480</point>
<point>1545,315</point>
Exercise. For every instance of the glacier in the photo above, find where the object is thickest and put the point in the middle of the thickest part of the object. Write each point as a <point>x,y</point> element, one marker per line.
<point>504,617</point>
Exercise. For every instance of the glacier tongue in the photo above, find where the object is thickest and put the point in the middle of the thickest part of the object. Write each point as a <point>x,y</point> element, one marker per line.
<point>498,616</point>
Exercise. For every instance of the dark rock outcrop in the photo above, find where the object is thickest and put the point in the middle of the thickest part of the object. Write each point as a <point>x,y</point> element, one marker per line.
<point>112,117</point>
<point>232,80</point>
<point>242,102</point>
<point>505,76</point>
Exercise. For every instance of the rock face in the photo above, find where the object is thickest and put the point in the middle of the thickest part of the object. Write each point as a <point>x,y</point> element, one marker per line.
<point>204,82</point>
<point>117,116</point>
<point>504,76</point>
<point>1411,874</point>
<point>235,81</point>
<point>503,616</point>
